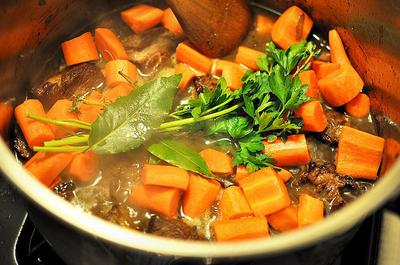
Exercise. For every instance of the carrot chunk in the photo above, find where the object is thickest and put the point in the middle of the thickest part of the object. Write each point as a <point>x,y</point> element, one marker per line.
<point>359,153</point>
<point>35,132</point>
<point>310,78</point>
<point>313,116</point>
<point>284,175</point>
<point>217,162</point>
<point>186,54</point>
<point>84,167</point>
<point>47,166</point>
<point>323,69</point>
<point>109,46</point>
<point>170,22</point>
<point>61,110</point>
<point>293,152</point>
<point>142,17</point>
<point>120,90</point>
<point>187,75</point>
<point>263,25</point>
<point>233,203</point>
<point>6,113</point>
<point>233,76</point>
<point>292,26</point>
<point>248,57</point>
<point>359,106</point>
<point>311,210</point>
<point>166,176</point>
<point>265,192</point>
<point>241,173</point>
<point>338,53</point>
<point>159,199</point>
<point>238,229</point>
<point>89,113</point>
<point>80,49</point>
<point>285,219</point>
<point>114,69</point>
<point>200,195</point>
<point>220,65</point>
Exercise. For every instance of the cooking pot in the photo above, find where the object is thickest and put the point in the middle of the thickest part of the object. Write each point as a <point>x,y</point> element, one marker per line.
<point>31,30</point>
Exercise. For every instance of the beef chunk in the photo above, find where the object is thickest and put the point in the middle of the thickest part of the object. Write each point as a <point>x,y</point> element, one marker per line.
<point>328,182</point>
<point>19,144</point>
<point>204,81</point>
<point>65,189</point>
<point>74,81</point>
<point>126,216</point>
<point>172,228</point>
<point>332,132</point>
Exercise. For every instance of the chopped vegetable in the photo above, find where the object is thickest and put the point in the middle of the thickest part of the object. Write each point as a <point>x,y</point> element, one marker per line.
<point>310,211</point>
<point>120,71</point>
<point>142,17</point>
<point>233,204</point>
<point>313,116</point>
<point>359,106</point>
<point>170,22</point>
<point>285,219</point>
<point>121,90</point>
<point>90,112</point>
<point>248,57</point>
<point>359,153</point>
<point>188,55</point>
<point>217,162</point>
<point>59,111</point>
<point>241,173</point>
<point>109,46</point>
<point>284,175</point>
<point>159,199</point>
<point>263,24</point>
<point>265,192</point>
<point>338,53</point>
<point>292,26</point>
<point>309,78</point>
<point>292,152</point>
<point>239,229</point>
<point>233,76</point>
<point>80,49</point>
<point>323,69</point>
<point>84,167</point>
<point>200,195</point>
<point>187,75</point>
<point>166,176</point>
<point>220,65</point>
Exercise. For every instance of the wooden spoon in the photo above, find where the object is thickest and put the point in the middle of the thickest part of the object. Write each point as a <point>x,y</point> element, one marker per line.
<point>214,27</point>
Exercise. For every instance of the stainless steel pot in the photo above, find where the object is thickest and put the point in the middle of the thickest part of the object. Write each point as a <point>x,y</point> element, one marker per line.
<point>32,29</point>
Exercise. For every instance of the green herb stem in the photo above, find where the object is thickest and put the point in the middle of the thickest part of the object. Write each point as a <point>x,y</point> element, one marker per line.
<point>68,141</point>
<point>218,106</point>
<point>93,103</point>
<point>77,121</point>
<point>59,149</point>
<point>59,122</point>
<point>202,118</point>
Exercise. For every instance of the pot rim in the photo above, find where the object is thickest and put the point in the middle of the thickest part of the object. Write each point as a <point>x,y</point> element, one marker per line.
<point>334,224</point>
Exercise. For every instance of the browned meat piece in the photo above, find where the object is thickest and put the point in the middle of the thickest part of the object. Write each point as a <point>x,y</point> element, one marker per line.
<point>19,144</point>
<point>65,189</point>
<point>172,228</point>
<point>335,122</point>
<point>328,182</point>
<point>204,81</point>
<point>74,81</point>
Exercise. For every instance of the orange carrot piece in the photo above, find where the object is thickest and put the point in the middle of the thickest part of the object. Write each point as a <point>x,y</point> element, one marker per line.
<point>61,110</point>
<point>233,76</point>
<point>263,25</point>
<point>159,199</point>
<point>293,152</point>
<point>6,113</point>
<point>166,176</point>
<point>292,26</point>
<point>248,57</point>
<point>200,195</point>
<point>113,69</point>
<point>238,229</point>
<point>241,173</point>
<point>80,49</point>
<point>359,154</point>
<point>310,211</point>
<point>265,192</point>
<point>89,113</point>
<point>84,167</point>
<point>359,106</point>
<point>218,162</point>
<point>120,90</point>
<point>171,23</point>
<point>35,132</point>
<point>233,204</point>
<point>186,54</point>
<point>220,65</point>
<point>109,46</point>
<point>47,166</point>
<point>338,53</point>
<point>310,78</point>
<point>285,219</point>
<point>187,75</point>
<point>284,175</point>
<point>323,69</point>
<point>142,17</point>
<point>313,116</point>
